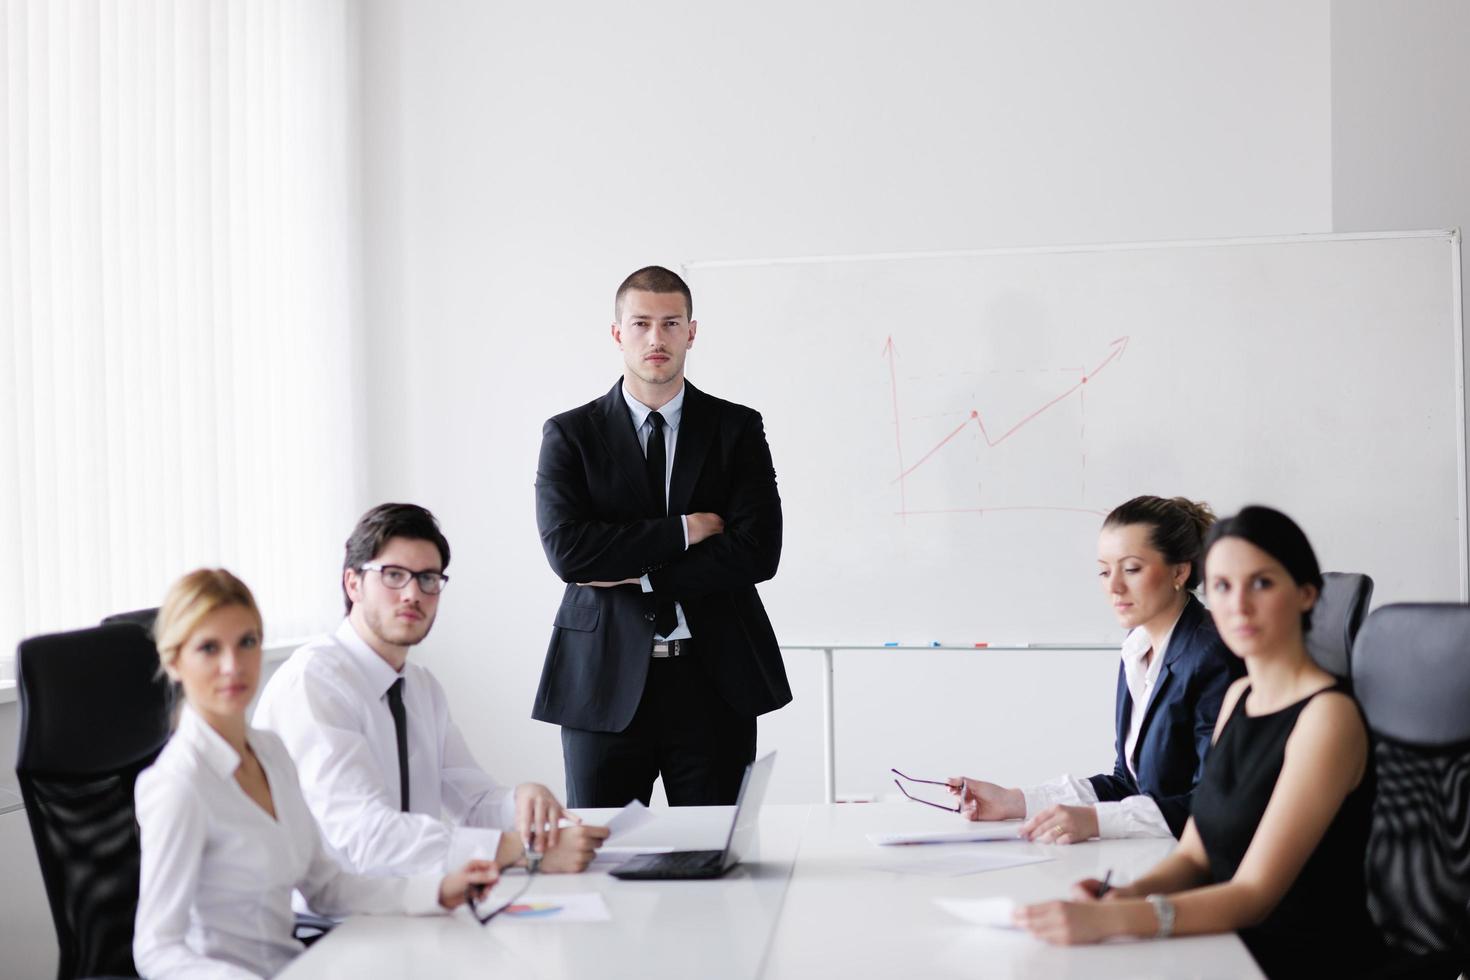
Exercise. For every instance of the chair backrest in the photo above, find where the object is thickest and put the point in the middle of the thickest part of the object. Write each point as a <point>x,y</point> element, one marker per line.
<point>138,617</point>
<point>1336,617</point>
<point>94,712</point>
<point>1411,674</point>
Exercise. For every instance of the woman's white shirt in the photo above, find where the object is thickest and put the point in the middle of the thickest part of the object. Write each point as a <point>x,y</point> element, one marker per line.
<point>1133,816</point>
<point>217,870</point>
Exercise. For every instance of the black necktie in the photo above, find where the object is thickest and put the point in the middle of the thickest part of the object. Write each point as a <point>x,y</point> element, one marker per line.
<point>400,727</point>
<point>657,458</point>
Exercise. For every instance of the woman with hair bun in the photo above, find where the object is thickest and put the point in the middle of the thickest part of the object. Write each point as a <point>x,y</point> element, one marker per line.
<point>1275,845</point>
<point>1172,678</point>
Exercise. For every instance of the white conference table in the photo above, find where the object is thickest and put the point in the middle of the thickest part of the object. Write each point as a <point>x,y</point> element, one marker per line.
<point>816,900</point>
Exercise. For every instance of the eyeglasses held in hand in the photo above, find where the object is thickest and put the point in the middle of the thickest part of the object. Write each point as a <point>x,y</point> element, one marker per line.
<point>396,577</point>
<point>930,782</point>
<point>533,865</point>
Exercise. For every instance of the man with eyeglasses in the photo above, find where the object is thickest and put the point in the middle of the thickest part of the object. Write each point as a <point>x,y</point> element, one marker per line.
<point>381,763</point>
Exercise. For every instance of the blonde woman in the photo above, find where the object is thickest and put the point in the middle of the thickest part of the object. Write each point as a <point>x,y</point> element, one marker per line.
<point>226,834</point>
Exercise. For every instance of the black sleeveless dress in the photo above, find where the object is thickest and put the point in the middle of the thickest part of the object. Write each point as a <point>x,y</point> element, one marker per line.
<point>1321,927</point>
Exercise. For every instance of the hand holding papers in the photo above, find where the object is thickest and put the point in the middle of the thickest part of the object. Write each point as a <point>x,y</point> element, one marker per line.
<point>625,821</point>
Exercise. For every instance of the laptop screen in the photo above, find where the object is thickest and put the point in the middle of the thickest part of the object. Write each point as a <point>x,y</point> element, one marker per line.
<point>748,810</point>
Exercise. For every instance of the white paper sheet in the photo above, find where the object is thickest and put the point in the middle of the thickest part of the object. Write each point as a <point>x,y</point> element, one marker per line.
<point>994,913</point>
<point>982,830</point>
<point>574,907</point>
<point>953,862</point>
<point>626,820</point>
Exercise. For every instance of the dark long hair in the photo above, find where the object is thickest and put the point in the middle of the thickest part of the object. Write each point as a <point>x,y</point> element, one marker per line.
<point>1278,536</point>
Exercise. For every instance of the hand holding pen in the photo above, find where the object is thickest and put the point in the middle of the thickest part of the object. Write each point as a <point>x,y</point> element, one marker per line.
<point>1092,890</point>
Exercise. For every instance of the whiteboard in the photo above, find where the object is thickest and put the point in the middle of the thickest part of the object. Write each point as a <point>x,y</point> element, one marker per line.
<point>949,429</point>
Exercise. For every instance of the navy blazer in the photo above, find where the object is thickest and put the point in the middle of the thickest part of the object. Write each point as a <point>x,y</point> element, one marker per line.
<point>1180,719</point>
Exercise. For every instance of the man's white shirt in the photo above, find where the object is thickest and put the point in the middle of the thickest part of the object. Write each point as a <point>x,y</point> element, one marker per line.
<point>328,702</point>
<point>673,414</point>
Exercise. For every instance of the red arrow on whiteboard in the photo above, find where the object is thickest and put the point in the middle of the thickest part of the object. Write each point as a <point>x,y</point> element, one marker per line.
<point>1117,348</point>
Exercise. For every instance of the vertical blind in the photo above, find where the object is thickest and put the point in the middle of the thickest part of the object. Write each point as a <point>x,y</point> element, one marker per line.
<point>179,312</point>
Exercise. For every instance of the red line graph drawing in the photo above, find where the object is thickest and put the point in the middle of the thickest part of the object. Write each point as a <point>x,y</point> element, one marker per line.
<point>890,352</point>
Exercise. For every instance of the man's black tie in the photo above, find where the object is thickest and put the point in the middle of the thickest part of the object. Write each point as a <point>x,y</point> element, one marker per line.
<point>666,620</point>
<point>400,727</point>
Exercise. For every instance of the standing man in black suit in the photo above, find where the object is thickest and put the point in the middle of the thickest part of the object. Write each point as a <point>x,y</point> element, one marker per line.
<point>657,505</point>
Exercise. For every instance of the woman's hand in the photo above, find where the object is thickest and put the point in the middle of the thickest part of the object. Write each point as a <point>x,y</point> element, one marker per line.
<point>980,800</point>
<point>1061,824</point>
<point>1091,890</point>
<point>539,815</point>
<point>1069,923</point>
<point>455,887</point>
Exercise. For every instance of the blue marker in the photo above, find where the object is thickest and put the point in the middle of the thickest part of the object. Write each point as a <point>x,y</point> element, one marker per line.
<point>891,643</point>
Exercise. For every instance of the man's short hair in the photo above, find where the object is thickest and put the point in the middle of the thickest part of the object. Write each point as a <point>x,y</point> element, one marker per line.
<point>387,521</point>
<point>654,279</point>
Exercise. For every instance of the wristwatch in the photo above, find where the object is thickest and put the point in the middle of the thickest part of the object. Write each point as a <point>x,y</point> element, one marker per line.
<point>1164,910</point>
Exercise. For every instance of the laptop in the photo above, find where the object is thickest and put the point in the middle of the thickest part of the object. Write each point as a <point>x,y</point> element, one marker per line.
<point>710,864</point>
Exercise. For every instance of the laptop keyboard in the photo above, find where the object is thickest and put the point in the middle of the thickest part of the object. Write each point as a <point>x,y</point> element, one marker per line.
<point>678,864</point>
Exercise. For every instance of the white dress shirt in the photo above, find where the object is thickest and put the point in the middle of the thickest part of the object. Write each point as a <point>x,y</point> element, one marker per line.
<point>329,703</point>
<point>672,411</point>
<point>1133,816</point>
<point>217,871</point>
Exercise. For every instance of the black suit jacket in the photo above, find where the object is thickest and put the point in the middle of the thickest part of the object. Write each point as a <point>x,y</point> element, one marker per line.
<point>1180,718</point>
<point>592,506</point>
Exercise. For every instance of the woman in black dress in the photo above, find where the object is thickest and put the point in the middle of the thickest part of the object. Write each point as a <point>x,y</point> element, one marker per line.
<point>1275,845</point>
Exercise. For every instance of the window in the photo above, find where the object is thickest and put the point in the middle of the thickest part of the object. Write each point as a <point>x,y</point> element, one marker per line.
<point>178,306</point>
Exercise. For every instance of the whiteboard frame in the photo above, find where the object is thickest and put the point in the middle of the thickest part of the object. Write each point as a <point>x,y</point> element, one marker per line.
<point>1451,236</point>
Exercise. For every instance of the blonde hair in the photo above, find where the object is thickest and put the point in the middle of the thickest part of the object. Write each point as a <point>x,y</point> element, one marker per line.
<point>192,598</point>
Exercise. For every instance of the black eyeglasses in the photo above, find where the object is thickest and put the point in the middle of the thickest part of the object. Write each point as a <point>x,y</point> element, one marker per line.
<point>396,577</point>
<point>930,782</point>
<point>533,865</point>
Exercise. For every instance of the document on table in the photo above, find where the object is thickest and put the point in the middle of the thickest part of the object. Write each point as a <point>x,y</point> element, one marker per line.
<point>982,830</point>
<point>574,907</point>
<point>626,820</point>
<point>623,823</point>
<point>951,862</point>
<point>994,913</point>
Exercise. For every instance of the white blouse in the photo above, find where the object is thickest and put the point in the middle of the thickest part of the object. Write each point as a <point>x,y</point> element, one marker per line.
<point>217,870</point>
<point>1132,816</point>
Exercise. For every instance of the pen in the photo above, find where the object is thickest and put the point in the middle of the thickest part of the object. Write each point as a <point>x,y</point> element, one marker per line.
<point>1104,888</point>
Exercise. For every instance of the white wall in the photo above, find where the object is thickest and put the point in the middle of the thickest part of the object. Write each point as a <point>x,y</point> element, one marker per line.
<point>1401,117</point>
<point>521,160</point>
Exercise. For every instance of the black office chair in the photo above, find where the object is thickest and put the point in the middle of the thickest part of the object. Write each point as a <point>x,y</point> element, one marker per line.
<point>1336,618</point>
<point>1411,674</point>
<point>138,617</point>
<point>94,712</point>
